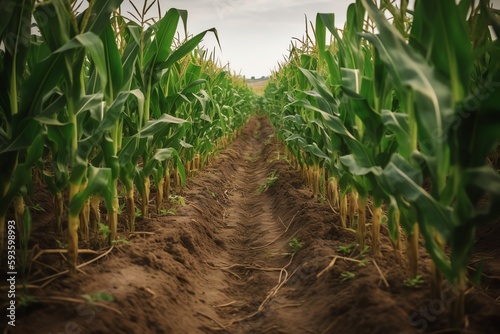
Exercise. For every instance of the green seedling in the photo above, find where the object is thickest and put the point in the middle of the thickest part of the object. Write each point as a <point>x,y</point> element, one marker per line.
<point>121,207</point>
<point>170,211</point>
<point>363,262</point>
<point>212,193</point>
<point>119,240</point>
<point>347,249</point>
<point>365,250</point>
<point>347,275</point>
<point>384,219</point>
<point>271,179</point>
<point>414,282</point>
<point>138,212</point>
<point>27,300</point>
<point>61,245</point>
<point>104,229</point>
<point>99,297</point>
<point>295,244</point>
<point>38,207</point>
<point>177,200</point>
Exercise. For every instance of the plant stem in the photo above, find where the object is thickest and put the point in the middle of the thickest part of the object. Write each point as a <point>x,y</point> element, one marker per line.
<point>73,225</point>
<point>458,306</point>
<point>131,209</point>
<point>94,204</point>
<point>85,214</point>
<point>361,229</point>
<point>113,215</point>
<point>352,207</point>
<point>58,210</point>
<point>376,219</point>
<point>343,210</point>
<point>145,197</point>
<point>19,209</point>
<point>413,251</point>
<point>159,197</point>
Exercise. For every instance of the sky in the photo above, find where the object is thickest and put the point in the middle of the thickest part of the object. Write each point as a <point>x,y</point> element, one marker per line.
<point>254,34</point>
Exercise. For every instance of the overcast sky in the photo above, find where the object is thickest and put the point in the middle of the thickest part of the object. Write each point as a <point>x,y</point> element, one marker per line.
<point>254,34</point>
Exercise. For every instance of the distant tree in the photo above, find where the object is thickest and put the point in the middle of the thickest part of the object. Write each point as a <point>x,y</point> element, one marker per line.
<point>253,78</point>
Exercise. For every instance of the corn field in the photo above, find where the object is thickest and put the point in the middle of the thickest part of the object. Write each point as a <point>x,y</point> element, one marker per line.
<point>392,122</point>
<point>390,113</point>
<point>106,102</point>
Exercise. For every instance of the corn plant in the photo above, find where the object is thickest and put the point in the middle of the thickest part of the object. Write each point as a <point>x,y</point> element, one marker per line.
<point>390,109</point>
<point>19,130</point>
<point>102,107</point>
<point>448,151</point>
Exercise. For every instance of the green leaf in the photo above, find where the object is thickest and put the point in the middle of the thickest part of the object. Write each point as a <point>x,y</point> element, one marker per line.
<point>154,126</point>
<point>29,130</point>
<point>163,154</point>
<point>160,47</point>
<point>45,76</point>
<point>186,48</point>
<point>113,63</point>
<point>98,179</point>
<point>93,44</point>
<point>100,16</point>
<point>358,167</point>
<point>6,11</point>
<point>432,98</point>
<point>54,16</point>
<point>442,31</point>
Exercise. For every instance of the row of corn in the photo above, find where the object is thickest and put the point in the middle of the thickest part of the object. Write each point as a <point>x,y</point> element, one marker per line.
<point>400,109</point>
<point>92,102</point>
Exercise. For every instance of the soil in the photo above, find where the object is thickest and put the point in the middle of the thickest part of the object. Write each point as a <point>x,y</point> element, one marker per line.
<point>239,257</point>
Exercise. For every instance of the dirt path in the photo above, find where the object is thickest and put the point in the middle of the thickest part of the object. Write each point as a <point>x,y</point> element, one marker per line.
<point>257,254</point>
<point>222,263</point>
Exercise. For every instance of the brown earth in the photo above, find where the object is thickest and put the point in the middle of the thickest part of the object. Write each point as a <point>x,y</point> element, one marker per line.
<point>223,264</point>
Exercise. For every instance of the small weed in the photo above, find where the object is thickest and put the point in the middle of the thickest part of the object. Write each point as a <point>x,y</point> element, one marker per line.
<point>279,157</point>
<point>122,192</point>
<point>170,211</point>
<point>99,297</point>
<point>105,231</point>
<point>119,240</point>
<point>269,139</point>
<point>212,193</point>
<point>121,207</point>
<point>61,245</point>
<point>138,213</point>
<point>38,207</point>
<point>177,200</point>
<point>271,178</point>
<point>414,282</point>
<point>347,249</point>
<point>295,244</point>
<point>363,262</point>
<point>27,300</point>
<point>365,250</point>
<point>347,275</point>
